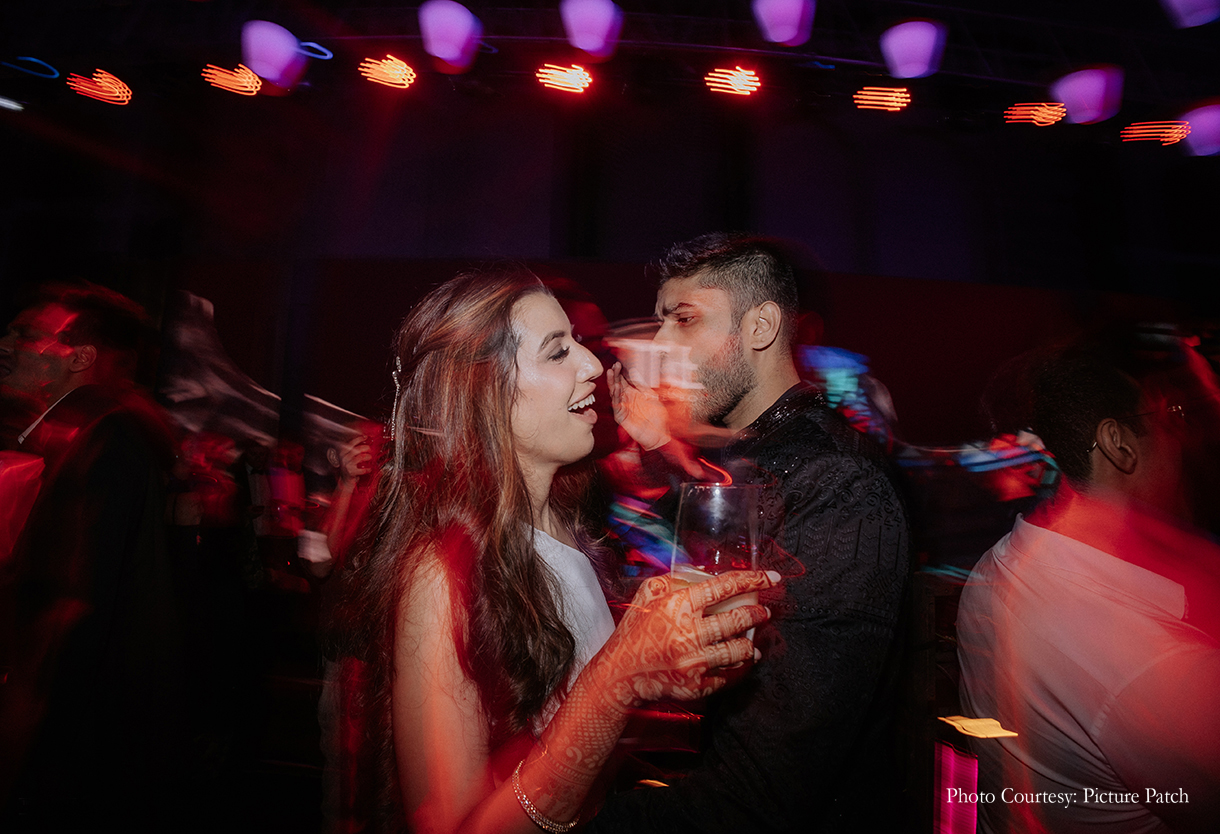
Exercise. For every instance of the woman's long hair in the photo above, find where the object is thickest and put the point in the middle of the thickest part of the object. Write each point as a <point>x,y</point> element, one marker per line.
<point>452,489</point>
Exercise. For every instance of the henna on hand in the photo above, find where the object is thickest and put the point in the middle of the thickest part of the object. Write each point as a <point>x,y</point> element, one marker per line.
<point>664,648</point>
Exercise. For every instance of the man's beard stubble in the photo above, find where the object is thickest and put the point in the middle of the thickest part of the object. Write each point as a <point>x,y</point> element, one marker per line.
<point>726,379</point>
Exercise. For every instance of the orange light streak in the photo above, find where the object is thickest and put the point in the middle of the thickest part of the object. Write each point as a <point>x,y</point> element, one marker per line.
<point>725,477</point>
<point>388,71</point>
<point>737,82</point>
<point>892,99</point>
<point>1167,133</point>
<point>573,79</point>
<point>1041,113</point>
<point>242,80</point>
<point>102,86</point>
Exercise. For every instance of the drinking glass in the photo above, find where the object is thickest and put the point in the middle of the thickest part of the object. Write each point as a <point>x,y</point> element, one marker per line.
<point>716,531</point>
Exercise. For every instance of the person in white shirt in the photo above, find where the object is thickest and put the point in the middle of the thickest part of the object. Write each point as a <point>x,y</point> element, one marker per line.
<point>1091,629</point>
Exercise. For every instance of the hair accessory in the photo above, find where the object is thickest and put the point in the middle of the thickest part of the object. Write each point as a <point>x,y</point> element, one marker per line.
<point>396,373</point>
<point>543,822</point>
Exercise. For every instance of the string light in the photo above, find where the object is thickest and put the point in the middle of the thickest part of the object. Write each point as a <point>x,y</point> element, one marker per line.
<point>737,82</point>
<point>892,99</point>
<point>242,80</point>
<point>102,86</point>
<point>1041,113</point>
<point>573,79</point>
<point>388,71</point>
<point>1167,133</point>
<point>41,68</point>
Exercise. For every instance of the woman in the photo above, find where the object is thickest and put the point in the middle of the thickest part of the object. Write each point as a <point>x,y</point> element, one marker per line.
<point>493,695</point>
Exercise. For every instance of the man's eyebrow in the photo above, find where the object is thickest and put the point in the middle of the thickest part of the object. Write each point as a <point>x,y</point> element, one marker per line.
<point>681,305</point>
<point>550,337</point>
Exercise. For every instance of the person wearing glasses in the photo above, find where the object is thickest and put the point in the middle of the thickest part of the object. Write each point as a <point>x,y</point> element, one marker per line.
<point>1091,629</point>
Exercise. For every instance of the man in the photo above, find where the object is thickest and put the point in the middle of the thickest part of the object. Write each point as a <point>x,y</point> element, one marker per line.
<point>1091,629</point>
<point>90,636</point>
<point>802,743</point>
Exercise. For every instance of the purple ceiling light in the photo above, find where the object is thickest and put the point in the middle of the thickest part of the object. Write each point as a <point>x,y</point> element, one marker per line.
<point>1204,136</point>
<point>592,25</point>
<point>1090,95</point>
<point>1187,13</point>
<point>272,52</point>
<point>451,33</point>
<point>786,22</point>
<point>913,49</point>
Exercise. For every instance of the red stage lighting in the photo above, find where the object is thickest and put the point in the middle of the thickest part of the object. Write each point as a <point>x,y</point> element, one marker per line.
<point>1167,133</point>
<point>882,98</point>
<point>573,79</point>
<point>736,82</point>
<point>242,80</point>
<point>388,71</point>
<point>102,86</point>
<point>1041,113</point>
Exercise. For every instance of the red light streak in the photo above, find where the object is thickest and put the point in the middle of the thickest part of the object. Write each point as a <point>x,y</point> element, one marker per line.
<point>737,82</point>
<point>388,71</point>
<point>892,99</point>
<point>1041,113</point>
<point>1167,133</point>
<point>573,79</point>
<point>102,86</point>
<point>242,80</point>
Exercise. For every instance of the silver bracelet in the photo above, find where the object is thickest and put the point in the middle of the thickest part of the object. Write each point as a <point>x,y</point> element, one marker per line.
<point>533,813</point>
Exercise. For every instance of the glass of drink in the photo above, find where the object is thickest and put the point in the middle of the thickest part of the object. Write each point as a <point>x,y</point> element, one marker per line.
<point>716,531</point>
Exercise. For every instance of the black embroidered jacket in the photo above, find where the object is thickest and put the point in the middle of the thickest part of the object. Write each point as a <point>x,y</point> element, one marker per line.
<point>804,742</point>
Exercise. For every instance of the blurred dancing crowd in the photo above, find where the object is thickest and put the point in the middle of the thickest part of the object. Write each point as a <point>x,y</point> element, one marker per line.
<point>501,644</point>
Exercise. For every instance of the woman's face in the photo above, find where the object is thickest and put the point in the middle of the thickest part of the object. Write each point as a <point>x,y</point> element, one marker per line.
<point>552,415</point>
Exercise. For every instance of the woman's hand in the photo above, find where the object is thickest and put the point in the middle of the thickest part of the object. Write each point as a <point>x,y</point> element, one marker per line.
<point>665,648</point>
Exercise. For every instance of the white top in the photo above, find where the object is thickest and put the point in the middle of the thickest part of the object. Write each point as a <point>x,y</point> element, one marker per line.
<point>582,606</point>
<point>1087,657</point>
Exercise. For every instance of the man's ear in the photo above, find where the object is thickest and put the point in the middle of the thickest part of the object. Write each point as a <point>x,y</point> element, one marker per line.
<point>762,325</point>
<point>1117,443</point>
<point>82,358</point>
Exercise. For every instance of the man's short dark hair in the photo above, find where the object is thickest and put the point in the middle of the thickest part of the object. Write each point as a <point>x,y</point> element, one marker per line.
<point>1101,377</point>
<point>751,269</point>
<point>106,319</point>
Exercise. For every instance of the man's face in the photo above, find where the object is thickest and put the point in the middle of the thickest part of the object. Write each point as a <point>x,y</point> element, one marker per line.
<point>701,320</point>
<point>33,362</point>
<point>1183,441</point>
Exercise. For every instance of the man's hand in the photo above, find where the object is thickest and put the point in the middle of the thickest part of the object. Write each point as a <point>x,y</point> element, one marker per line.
<point>638,410</point>
<point>353,459</point>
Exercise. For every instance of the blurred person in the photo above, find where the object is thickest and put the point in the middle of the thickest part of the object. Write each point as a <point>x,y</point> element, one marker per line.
<point>325,549</point>
<point>90,709</point>
<point>804,743</point>
<point>498,681</point>
<point>1091,629</point>
<point>326,552</point>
